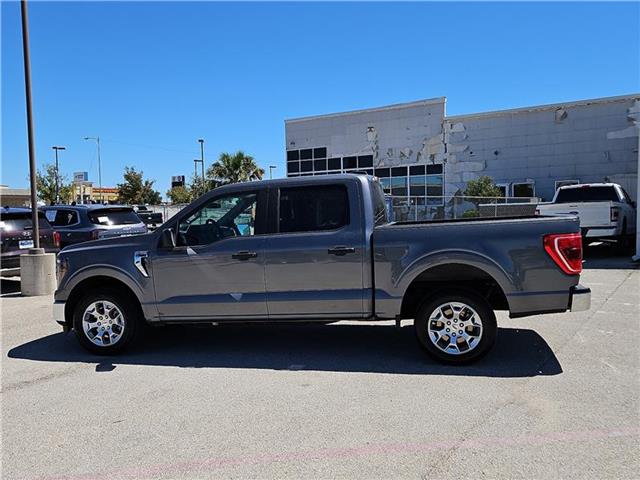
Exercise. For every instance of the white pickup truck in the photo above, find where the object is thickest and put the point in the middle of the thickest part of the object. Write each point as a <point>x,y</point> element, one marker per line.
<point>605,210</point>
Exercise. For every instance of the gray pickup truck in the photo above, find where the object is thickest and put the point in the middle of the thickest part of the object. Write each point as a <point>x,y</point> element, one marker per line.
<point>320,249</point>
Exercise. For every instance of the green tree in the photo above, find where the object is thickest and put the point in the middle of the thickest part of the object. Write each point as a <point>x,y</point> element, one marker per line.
<point>179,195</point>
<point>235,168</point>
<point>137,190</point>
<point>46,185</point>
<point>482,187</point>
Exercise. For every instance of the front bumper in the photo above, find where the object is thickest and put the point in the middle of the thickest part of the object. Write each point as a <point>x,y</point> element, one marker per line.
<point>580,299</point>
<point>59,314</point>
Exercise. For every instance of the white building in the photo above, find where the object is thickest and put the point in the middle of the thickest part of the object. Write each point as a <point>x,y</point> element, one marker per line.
<point>424,156</point>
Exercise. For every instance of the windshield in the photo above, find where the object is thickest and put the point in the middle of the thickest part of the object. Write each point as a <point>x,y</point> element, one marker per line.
<point>113,216</point>
<point>17,222</point>
<point>587,194</point>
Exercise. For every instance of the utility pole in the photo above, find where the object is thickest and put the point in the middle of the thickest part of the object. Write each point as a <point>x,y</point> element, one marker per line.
<point>57,174</point>
<point>201,142</point>
<point>97,139</point>
<point>271,168</point>
<point>195,171</point>
<point>30,132</point>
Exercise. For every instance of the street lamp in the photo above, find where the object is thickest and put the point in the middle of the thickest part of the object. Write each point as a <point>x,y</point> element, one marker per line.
<point>57,174</point>
<point>97,139</point>
<point>195,172</point>
<point>201,142</point>
<point>271,168</point>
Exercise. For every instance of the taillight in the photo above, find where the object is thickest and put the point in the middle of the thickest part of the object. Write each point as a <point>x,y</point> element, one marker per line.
<point>56,239</point>
<point>566,250</point>
<point>95,234</point>
<point>615,211</point>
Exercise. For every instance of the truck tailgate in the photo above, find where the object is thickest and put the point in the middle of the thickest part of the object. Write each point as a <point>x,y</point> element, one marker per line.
<point>591,214</point>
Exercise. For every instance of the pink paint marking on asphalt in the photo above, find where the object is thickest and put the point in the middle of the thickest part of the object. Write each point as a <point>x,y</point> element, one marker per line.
<point>350,452</point>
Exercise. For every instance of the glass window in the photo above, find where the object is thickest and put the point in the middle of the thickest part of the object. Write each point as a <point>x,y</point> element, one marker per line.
<point>293,167</point>
<point>293,155</point>
<point>305,154</point>
<point>18,221</point>
<point>417,185</point>
<point>350,162</point>
<point>320,152</point>
<point>382,172</point>
<point>416,170</point>
<point>306,166</point>
<point>398,186</point>
<point>63,217</point>
<point>523,190</point>
<point>587,194</point>
<point>320,165</point>
<point>434,169</point>
<point>399,172</point>
<point>365,161</point>
<point>113,216</point>
<point>386,185</point>
<point>307,209</point>
<point>379,205</point>
<point>434,190</point>
<point>229,216</point>
<point>335,164</point>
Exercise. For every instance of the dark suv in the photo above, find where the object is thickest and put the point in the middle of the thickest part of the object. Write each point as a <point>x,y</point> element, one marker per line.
<point>16,237</point>
<point>80,223</point>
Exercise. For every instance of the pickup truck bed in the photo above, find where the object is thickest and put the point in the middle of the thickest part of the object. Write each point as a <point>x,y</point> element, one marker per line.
<point>321,249</point>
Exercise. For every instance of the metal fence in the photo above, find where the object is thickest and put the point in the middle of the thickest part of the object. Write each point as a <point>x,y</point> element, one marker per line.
<point>412,209</point>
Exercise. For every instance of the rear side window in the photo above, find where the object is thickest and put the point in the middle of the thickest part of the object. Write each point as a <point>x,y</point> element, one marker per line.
<point>112,216</point>
<point>587,194</point>
<point>309,209</point>
<point>17,222</point>
<point>62,218</point>
<point>379,205</point>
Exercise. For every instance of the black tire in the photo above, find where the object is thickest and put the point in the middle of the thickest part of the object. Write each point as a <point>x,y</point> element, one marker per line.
<point>129,309</point>
<point>483,311</point>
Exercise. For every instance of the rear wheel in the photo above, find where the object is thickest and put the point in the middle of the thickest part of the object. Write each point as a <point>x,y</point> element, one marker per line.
<point>106,322</point>
<point>456,327</point>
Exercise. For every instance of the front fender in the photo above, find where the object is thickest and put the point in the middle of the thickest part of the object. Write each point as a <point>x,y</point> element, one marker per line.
<point>144,293</point>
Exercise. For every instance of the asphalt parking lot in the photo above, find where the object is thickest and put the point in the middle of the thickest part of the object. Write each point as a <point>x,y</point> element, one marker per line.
<point>558,397</point>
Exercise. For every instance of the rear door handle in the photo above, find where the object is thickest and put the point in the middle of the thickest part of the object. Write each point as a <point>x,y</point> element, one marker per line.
<point>340,251</point>
<point>244,255</point>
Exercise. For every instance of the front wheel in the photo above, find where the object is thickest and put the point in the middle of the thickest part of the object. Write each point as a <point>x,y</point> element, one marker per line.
<point>456,327</point>
<point>106,322</point>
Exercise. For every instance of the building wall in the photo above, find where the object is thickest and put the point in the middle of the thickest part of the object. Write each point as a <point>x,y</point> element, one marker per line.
<point>545,145</point>
<point>587,141</point>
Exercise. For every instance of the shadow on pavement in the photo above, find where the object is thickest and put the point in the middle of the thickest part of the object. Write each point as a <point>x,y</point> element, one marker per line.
<point>608,257</point>
<point>336,348</point>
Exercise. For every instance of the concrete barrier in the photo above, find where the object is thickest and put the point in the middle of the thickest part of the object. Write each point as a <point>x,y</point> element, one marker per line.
<point>37,273</point>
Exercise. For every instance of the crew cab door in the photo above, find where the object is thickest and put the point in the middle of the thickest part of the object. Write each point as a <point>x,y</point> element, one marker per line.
<point>314,252</point>
<point>216,270</point>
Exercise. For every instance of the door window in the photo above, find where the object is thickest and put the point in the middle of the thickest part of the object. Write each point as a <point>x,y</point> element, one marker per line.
<point>307,209</point>
<point>222,217</point>
<point>63,218</point>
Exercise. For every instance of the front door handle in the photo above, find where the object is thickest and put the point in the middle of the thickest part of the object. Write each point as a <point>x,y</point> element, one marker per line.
<point>244,255</point>
<point>340,251</point>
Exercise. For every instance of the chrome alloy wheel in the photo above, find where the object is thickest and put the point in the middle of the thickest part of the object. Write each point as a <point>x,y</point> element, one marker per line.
<point>455,328</point>
<point>103,323</point>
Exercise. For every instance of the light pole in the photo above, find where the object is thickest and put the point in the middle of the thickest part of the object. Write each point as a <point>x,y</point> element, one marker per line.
<point>97,139</point>
<point>271,168</point>
<point>57,173</point>
<point>195,170</point>
<point>201,142</point>
<point>30,132</point>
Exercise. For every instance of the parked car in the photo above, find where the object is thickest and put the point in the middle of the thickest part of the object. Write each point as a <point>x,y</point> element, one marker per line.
<point>150,219</point>
<point>321,249</point>
<point>605,210</point>
<point>81,223</point>
<point>16,237</point>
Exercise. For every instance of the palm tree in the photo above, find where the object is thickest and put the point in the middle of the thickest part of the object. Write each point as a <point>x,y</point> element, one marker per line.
<point>235,168</point>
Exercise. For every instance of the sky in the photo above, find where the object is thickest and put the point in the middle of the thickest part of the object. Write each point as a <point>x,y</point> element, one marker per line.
<point>151,78</point>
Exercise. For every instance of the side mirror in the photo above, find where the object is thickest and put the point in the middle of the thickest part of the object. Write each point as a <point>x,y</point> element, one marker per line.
<point>167,239</point>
